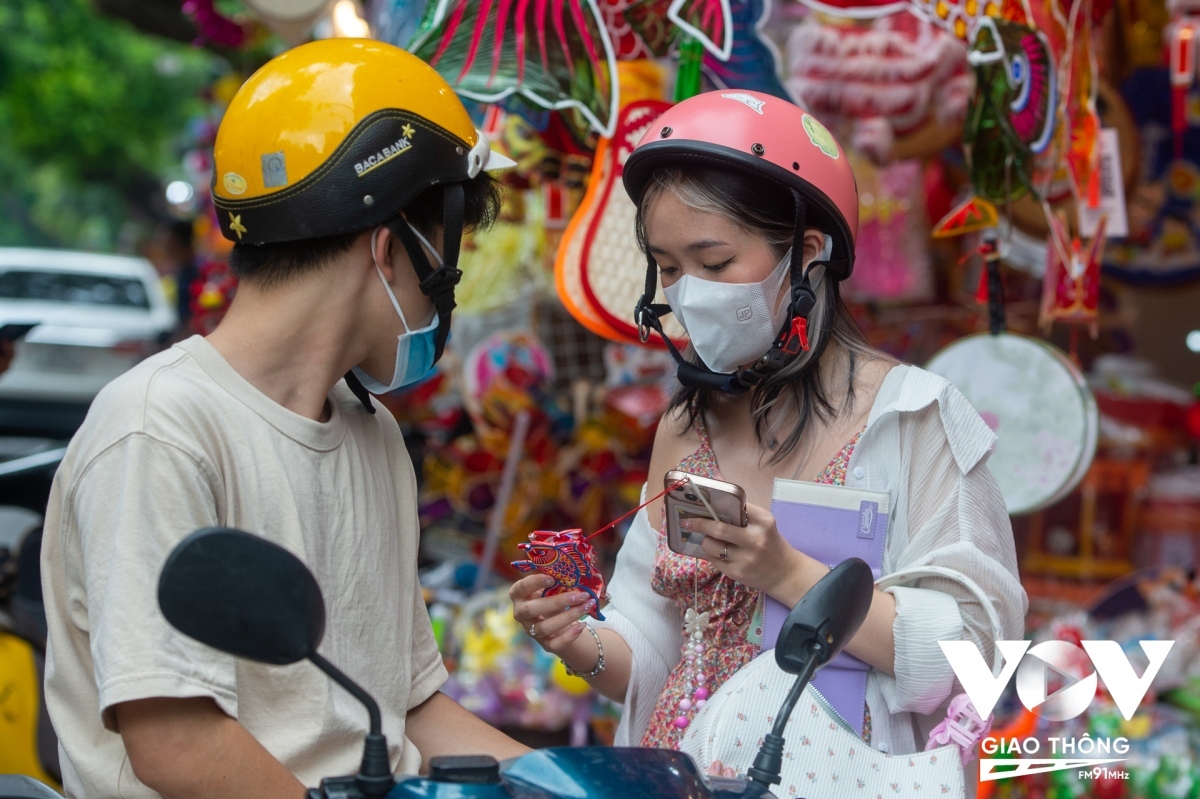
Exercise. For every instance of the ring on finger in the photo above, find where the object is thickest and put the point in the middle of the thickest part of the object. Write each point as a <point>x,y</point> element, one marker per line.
<point>533,630</point>
<point>724,554</point>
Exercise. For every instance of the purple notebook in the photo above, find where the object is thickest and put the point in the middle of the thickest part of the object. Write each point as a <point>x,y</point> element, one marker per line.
<point>830,524</point>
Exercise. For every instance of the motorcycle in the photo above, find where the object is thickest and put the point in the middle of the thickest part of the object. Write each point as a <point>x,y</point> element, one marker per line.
<point>250,598</point>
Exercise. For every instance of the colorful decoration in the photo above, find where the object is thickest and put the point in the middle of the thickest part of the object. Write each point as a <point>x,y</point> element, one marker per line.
<point>1183,33</point>
<point>502,676</point>
<point>555,54</point>
<point>1083,148</point>
<point>1012,116</point>
<point>709,22</point>
<point>754,62</point>
<point>600,270</point>
<point>211,293</point>
<point>961,18</point>
<point>213,27</point>
<point>627,42</point>
<point>1071,287</point>
<point>1163,246</point>
<point>396,21</point>
<point>570,560</point>
<point>973,215</point>
<point>893,260</point>
<point>889,77</point>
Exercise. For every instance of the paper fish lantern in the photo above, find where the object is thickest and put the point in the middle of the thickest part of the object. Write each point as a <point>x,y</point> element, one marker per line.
<point>1012,117</point>
<point>568,558</point>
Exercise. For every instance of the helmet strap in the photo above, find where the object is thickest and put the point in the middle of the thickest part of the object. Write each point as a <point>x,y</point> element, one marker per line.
<point>436,284</point>
<point>359,390</point>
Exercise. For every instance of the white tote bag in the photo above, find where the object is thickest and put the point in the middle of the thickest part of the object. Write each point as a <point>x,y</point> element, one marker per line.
<point>824,758</point>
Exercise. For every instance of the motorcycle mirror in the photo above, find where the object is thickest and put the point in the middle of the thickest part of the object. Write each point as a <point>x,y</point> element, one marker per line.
<point>821,623</point>
<point>243,595</point>
<point>826,618</point>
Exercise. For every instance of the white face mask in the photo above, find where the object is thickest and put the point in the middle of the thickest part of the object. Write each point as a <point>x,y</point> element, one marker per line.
<point>733,324</point>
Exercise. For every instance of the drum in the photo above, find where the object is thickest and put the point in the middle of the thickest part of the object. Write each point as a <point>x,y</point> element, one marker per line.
<point>1040,407</point>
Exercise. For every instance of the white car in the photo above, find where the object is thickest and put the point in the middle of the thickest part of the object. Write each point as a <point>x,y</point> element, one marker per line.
<point>94,317</point>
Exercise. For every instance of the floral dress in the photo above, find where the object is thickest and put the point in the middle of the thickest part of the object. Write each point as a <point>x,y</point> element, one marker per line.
<point>733,636</point>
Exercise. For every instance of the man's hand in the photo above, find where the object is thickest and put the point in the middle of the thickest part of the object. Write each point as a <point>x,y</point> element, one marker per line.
<point>440,726</point>
<point>189,749</point>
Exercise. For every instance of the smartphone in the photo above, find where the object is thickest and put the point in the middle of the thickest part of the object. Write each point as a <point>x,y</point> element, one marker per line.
<point>727,500</point>
<point>12,332</point>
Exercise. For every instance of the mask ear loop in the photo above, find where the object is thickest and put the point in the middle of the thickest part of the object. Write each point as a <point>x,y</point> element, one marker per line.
<point>386,286</point>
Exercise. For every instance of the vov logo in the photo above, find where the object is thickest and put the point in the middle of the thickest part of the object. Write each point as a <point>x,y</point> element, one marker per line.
<point>1037,668</point>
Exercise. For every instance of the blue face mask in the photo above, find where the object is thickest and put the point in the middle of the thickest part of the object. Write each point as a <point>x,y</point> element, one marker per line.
<point>415,348</point>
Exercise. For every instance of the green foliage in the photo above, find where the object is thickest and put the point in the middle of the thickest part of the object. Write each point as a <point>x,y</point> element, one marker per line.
<point>92,114</point>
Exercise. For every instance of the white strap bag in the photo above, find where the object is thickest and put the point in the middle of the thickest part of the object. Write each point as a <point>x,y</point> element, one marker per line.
<point>824,757</point>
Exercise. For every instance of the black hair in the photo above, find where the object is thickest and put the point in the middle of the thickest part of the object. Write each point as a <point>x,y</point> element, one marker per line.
<point>277,262</point>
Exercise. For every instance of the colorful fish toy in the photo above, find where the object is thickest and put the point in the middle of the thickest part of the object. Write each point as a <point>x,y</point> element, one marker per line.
<point>570,560</point>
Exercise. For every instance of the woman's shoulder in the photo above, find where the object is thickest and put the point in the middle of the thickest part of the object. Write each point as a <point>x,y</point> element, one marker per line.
<point>938,412</point>
<point>676,437</point>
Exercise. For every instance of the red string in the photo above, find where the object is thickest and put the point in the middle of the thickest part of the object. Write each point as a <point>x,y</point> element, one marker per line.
<point>615,522</point>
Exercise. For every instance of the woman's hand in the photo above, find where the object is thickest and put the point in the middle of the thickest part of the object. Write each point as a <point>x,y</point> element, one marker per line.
<point>758,556</point>
<point>554,622</point>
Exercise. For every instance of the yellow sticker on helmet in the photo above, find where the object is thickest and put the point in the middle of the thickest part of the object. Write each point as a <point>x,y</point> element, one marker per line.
<point>234,183</point>
<point>820,136</point>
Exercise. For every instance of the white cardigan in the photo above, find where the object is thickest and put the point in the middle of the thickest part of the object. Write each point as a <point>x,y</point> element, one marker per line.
<point>927,447</point>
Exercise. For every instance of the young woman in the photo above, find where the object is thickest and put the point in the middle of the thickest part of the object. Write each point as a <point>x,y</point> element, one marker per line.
<point>747,210</point>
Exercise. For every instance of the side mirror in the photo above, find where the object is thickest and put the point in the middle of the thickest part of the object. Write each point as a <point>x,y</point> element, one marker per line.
<point>826,618</point>
<point>822,622</point>
<point>251,598</point>
<point>243,595</point>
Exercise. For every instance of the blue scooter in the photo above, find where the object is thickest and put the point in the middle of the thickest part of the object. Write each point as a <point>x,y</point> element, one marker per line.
<point>250,598</point>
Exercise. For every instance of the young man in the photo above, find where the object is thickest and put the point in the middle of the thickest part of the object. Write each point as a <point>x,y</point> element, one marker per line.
<point>342,168</point>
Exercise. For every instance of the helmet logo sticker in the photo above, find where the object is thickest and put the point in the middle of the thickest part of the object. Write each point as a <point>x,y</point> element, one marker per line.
<point>748,100</point>
<point>820,137</point>
<point>234,183</point>
<point>235,224</point>
<point>402,145</point>
<point>274,170</point>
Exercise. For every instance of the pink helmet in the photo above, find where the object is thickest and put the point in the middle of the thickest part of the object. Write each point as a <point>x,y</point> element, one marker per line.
<point>765,137</point>
<point>768,139</point>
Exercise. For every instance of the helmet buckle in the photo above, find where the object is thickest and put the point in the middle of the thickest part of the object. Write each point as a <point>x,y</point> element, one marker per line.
<point>440,280</point>
<point>797,340</point>
<point>639,316</point>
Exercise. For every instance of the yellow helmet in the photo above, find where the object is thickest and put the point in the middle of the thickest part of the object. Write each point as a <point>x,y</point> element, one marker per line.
<point>336,136</point>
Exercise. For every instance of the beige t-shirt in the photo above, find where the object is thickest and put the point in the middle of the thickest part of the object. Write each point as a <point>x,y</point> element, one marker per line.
<point>180,442</point>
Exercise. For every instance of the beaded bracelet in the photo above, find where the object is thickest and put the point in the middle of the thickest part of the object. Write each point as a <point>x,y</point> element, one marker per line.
<point>599,667</point>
